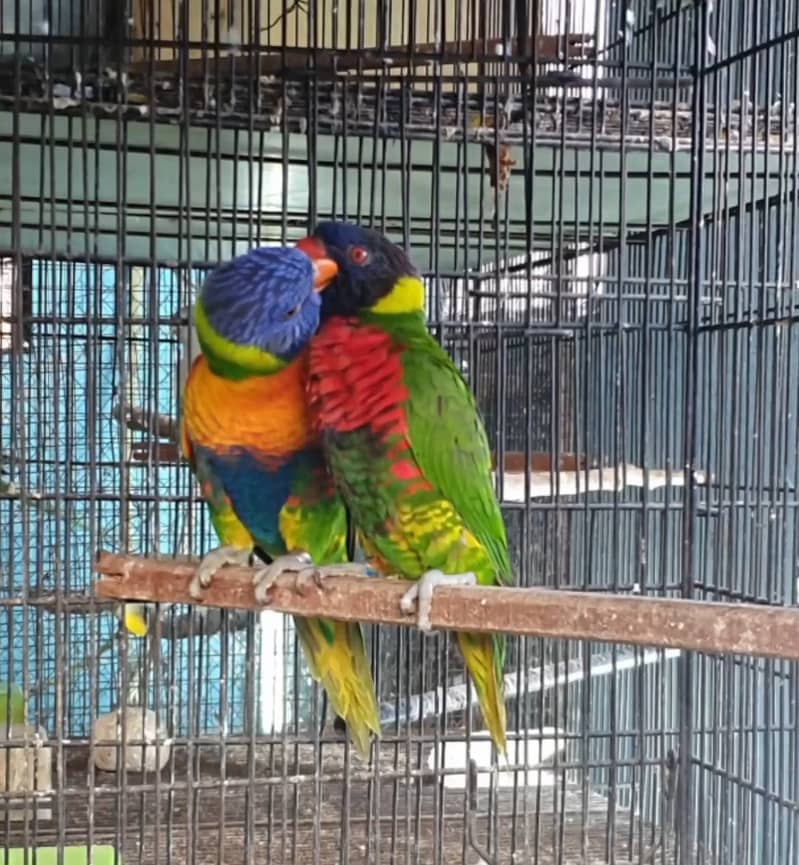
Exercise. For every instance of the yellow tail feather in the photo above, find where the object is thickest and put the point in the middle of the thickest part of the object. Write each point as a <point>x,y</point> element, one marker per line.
<point>479,654</point>
<point>134,617</point>
<point>342,669</point>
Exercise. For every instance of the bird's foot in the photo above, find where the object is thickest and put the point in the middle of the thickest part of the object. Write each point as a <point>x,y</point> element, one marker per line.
<point>266,577</point>
<point>420,594</point>
<point>306,573</point>
<point>317,574</point>
<point>213,562</point>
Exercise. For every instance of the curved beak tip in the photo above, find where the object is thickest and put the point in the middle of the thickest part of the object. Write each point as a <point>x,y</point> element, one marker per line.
<point>325,269</point>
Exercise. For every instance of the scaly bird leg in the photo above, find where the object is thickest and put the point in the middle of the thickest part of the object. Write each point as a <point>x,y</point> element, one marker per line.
<point>213,562</point>
<point>307,572</point>
<point>420,594</point>
<point>266,577</point>
<point>318,573</point>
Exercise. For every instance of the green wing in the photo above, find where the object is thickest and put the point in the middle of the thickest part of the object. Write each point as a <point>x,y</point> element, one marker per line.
<point>315,518</point>
<point>450,445</point>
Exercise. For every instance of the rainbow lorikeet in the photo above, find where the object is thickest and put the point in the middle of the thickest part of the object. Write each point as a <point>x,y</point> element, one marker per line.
<point>246,433</point>
<point>404,440</point>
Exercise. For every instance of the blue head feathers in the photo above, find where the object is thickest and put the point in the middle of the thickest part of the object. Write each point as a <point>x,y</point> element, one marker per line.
<point>258,311</point>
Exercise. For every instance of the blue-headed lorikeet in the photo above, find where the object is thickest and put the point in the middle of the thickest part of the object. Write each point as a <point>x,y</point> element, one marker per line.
<point>404,440</point>
<point>245,430</point>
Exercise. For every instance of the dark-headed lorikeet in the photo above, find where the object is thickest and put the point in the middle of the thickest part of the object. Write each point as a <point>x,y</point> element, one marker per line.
<point>246,432</point>
<point>404,440</point>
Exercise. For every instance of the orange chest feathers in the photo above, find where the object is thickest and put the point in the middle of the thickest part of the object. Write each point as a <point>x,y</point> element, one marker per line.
<point>266,414</point>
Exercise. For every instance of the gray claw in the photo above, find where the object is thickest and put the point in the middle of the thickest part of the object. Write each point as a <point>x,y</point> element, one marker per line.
<point>265,578</point>
<point>420,594</point>
<point>211,564</point>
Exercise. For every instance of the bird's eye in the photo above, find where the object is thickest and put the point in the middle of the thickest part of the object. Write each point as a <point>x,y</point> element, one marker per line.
<point>359,255</point>
<point>291,312</point>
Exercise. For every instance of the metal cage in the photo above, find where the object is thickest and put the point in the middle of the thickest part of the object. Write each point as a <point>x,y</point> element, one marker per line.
<point>602,197</point>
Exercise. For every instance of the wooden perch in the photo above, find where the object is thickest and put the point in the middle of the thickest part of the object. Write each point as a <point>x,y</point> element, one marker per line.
<point>271,60</point>
<point>142,420</point>
<point>166,451</point>
<point>575,474</point>
<point>704,626</point>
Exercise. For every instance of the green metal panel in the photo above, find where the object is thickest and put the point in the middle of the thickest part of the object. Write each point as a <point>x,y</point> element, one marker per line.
<point>232,193</point>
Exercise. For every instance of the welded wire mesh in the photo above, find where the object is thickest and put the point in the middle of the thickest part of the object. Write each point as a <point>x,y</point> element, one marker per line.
<point>602,199</point>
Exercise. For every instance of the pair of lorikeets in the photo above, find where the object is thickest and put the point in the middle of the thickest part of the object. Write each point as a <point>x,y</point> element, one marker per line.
<point>320,398</point>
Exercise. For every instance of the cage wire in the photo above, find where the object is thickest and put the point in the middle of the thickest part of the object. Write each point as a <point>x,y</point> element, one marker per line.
<point>601,197</point>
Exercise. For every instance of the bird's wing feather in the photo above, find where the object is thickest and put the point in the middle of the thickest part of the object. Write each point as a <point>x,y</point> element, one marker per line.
<point>314,518</point>
<point>450,445</point>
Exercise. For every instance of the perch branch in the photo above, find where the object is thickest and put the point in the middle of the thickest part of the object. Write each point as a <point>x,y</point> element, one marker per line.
<point>168,452</point>
<point>704,626</point>
<point>575,473</point>
<point>200,620</point>
<point>206,620</point>
<point>274,61</point>
<point>142,420</point>
<point>64,603</point>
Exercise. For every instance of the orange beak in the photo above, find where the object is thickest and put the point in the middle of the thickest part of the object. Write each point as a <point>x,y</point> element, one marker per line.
<point>325,269</point>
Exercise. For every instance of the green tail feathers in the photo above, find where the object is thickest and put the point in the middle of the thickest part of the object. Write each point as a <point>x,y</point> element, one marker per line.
<point>484,656</point>
<point>336,655</point>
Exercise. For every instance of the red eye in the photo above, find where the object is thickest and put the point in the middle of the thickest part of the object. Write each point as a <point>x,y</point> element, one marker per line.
<point>359,255</point>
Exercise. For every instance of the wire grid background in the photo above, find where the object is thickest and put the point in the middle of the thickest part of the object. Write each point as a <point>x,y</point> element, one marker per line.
<point>653,324</point>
